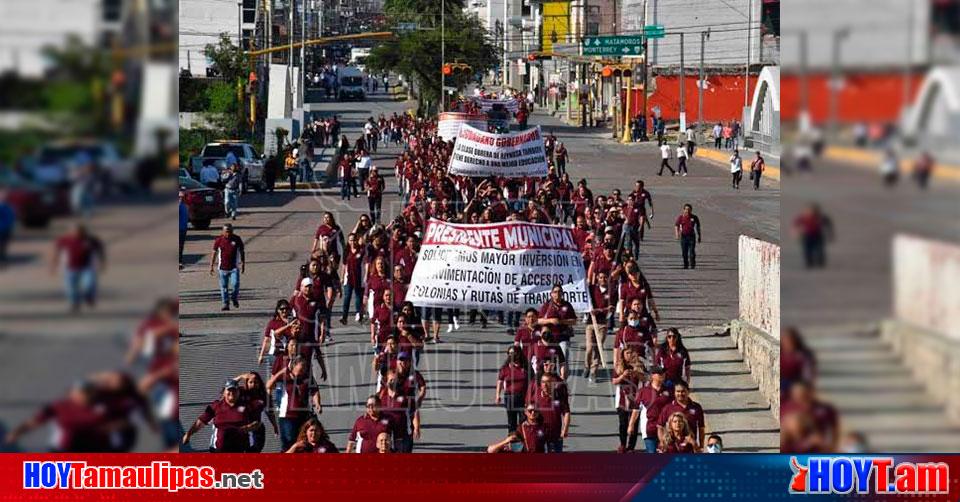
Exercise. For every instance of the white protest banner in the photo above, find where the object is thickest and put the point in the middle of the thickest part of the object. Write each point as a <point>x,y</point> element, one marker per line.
<point>514,155</point>
<point>487,104</point>
<point>502,266</point>
<point>449,123</point>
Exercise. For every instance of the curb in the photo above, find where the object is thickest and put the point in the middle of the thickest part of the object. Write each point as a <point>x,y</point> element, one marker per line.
<point>867,159</point>
<point>771,171</point>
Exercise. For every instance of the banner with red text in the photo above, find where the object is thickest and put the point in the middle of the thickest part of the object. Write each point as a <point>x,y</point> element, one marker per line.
<point>449,124</point>
<point>515,155</point>
<point>501,266</point>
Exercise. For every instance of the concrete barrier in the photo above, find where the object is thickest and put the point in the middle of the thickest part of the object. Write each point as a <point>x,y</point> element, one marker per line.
<point>759,284</point>
<point>925,329</point>
<point>757,330</point>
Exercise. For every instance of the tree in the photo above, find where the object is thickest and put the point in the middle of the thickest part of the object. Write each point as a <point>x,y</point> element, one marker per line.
<point>416,54</point>
<point>226,60</point>
<point>224,98</point>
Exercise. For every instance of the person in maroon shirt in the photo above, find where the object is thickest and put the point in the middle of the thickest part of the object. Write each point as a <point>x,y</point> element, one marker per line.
<point>231,423</point>
<point>381,323</point>
<point>635,287</point>
<point>797,361</point>
<point>559,317</point>
<point>253,394</point>
<point>282,327</point>
<point>310,313</point>
<point>678,436</point>
<point>329,237</point>
<point>313,438</point>
<point>547,356</point>
<point>643,198</point>
<point>402,412</point>
<point>633,220</point>
<point>375,188</point>
<point>77,419</point>
<point>230,258</point>
<point>512,380</point>
<point>598,327</point>
<point>352,275</point>
<point>552,401</point>
<point>363,438</point>
<point>627,378</point>
<point>297,393</point>
<point>631,336</point>
<point>673,356</point>
<point>377,282</point>
<point>81,257</point>
<point>687,231</point>
<point>822,416</point>
<point>526,336</point>
<point>650,400</point>
<point>690,409</point>
<point>814,229</point>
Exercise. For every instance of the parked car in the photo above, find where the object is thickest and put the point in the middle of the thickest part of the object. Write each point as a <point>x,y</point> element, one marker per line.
<point>251,163</point>
<point>203,203</point>
<point>52,162</point>
<point>34,204</point>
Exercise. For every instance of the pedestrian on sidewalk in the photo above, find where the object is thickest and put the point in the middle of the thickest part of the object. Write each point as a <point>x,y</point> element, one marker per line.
<point>661,129</point>
<point>364,163</point>
<point>736,169</point>
<point>890,168</point>
<point>727,133</point>
<point>665,159</point>
<point>814,230</point>
<point>687,230</point>
<point>682,158</point>
<point>717,135</point>
<point>82,258</point>
<point>230,258</point>
<point>231,191</point>
<point>922,169</point>
<point>691,140</point>
<point>756,170</point>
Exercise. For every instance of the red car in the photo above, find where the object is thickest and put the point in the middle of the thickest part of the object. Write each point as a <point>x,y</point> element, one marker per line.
<point>34,204</point>
<point>203,203</point>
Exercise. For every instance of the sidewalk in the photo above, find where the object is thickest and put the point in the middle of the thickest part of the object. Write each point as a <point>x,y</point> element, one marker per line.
<point>723,157</point>
<point>870,159</point>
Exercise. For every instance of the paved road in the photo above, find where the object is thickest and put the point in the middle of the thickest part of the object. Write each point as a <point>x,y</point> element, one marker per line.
<point>43,348</point>
<point>459,414</point>
<point>838,308</point>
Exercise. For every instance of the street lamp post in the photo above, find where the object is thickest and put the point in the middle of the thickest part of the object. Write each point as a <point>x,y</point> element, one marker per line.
<point>838,37</point>
<point>443,53</point>
<point>704,36</point>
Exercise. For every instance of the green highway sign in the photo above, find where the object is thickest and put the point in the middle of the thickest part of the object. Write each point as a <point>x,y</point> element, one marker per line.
<point>653,31</point>
<point>626,45</point>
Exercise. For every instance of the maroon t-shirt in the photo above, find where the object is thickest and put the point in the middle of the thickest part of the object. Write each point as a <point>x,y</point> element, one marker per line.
<point>294,397</point>
<point>365,431</point>
<point>378,285</point>
<point>308,310</point>
<point>322,446</point>
<point>824,416</point>
<point>562,311</point>
<point>276,344</point>
<point>78,252</point>
<point>227,421</point>
<point>534,437</point>
<point>543,353</point>
<point>626,392</point>
<point>353,262</point>
<point>398,410</point>
<point>407,259</point>
<point>633,212</point>
<point>675,364</point>
<point>630,292</point>
<point>526,340</point>
<point>552,408</point>
<point>692,411</point>
<point>629,336</point>
<point>229,251</point>
<point>684,446</point>
<point>382,323</point>
<point>76,425</point>
<point>687,224</point>
<point>653,400</point>
<point>514,378</point>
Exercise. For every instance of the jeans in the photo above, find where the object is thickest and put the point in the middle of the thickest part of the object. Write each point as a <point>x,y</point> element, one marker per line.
<point>363,177</point>
<point>375,203</point>
<point>665,163</point>
<point>344,189</point>
<point>403,445</point>
<point>183,238</point>
<point>630,240</point>
<point>717,142</point>
<point>5,241</point>
<point>688,248</point>
<point>230,203</point>
<point>292,179</point>
<point>628,441</point>
<point>307,170</point>
<point>348,291</point>
<point>650,444</point>
<point>555,446</point>
<point>756,179</point>
<point>514,405</point>
<point>814,252</point>
<point>289,429</point>
<point>682,165</point>
<point>735,179</point>
<point>81,285</point>
<point>226,277</point>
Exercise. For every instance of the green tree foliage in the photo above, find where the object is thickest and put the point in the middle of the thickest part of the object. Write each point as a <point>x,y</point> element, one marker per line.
<point>416,54</point>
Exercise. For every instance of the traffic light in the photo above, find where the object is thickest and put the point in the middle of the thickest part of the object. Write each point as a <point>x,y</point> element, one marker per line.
<point>447,70</point>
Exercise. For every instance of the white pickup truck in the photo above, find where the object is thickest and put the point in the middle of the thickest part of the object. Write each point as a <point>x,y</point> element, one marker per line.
<point>251,163</point>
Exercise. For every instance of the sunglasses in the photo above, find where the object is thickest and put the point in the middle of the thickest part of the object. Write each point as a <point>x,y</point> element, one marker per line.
<point>371,405</point>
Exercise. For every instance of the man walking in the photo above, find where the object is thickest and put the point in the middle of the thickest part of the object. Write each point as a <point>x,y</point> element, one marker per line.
<point>228,254</point>
<point>687,230</point>
<point>717,135</point>
<point>231,191</point>
<point>81,256</point>
<point>756,170</point>
<point>691,140</point>
<point>665,159</point>
<point>681,159</point>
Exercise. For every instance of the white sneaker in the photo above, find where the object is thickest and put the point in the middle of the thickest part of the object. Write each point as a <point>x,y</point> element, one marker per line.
<point>456,323</point>
<point>357,317</point>
<point>449,328</point>
<point>684,174</point>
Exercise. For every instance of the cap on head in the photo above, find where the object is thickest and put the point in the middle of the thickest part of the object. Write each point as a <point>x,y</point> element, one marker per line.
<point>231,384</point>
<point>306,281</point>
<point>657,369</point>
<point>404,356</point>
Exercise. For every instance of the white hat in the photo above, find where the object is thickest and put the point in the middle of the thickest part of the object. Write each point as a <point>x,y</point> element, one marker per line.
<point>306,282</point>
<point>296,151</point>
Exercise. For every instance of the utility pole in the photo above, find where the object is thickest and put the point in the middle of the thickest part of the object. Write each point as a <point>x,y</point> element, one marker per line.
<point>909,60</point>
<point>268,12</point>
<point>704,36</point>
<point>804,84</point>
<point>746,69</point>
<point>503,65</point>
<point>443,53</point>
<point>290,6</point>
<point>683,112</point>
<point>838,37</point>
<point>303,50</point>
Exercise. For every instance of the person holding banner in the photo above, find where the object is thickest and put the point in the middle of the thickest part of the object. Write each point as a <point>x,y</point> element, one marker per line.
<point>559,317</point>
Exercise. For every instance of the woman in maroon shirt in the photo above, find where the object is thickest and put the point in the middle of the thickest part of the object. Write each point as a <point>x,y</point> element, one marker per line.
<point>253,393</point>
<point>678,438</point>
<point>377,282</point>
<point>230,422</point>
<point>797,362</point>
<point>353,258</point>
<point>627,379</point>
<point>313,438</point>
<point>512,381</point>
<point>282,327</point>
<point>674,358</point>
